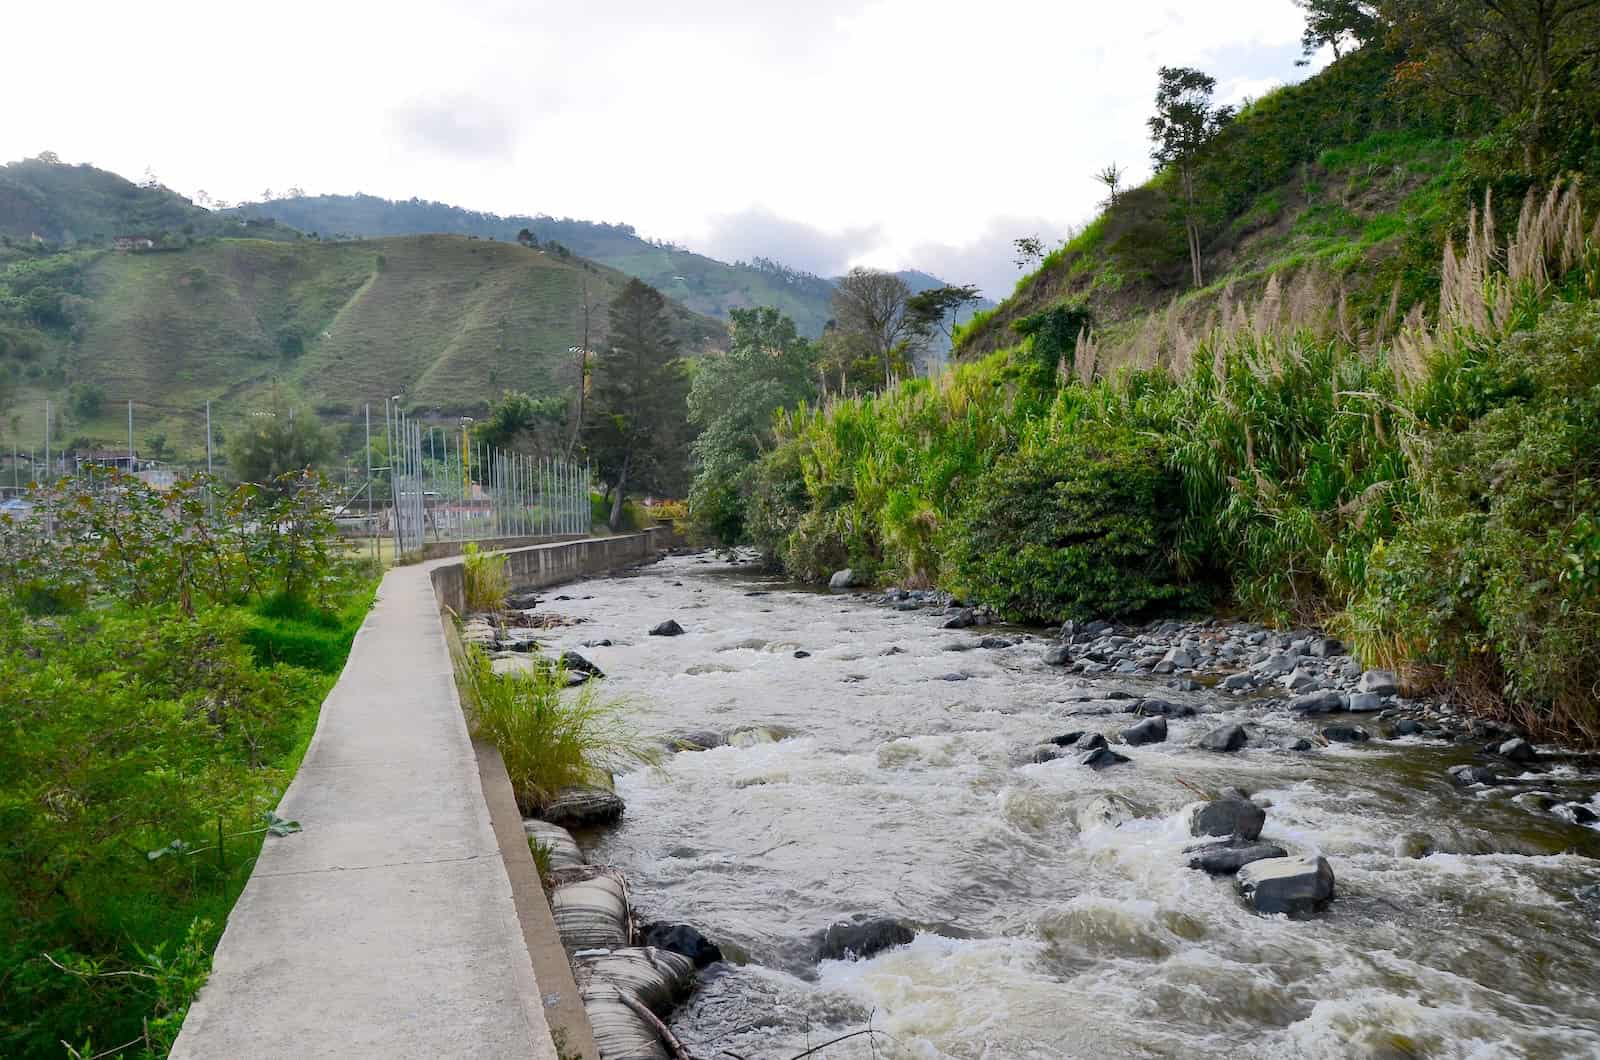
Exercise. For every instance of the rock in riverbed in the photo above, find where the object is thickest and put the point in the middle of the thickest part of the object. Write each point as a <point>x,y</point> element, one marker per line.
<point>1151,730</point>
<point>1229,817</point>
<point>1296,887</point>
<point>681,938</point>
<point>1231,855</point>
<point>576,663</point>
<point>1226,739</point>
<point>1317,703</point>
<point>861,939</point>
<point>669,628</point>
<point>1057,655</point>
<point>1102,758</point>
<point>842,579</point>
<point>1345,734</point>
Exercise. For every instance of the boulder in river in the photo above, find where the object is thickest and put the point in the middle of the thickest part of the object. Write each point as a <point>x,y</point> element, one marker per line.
<point>1317,703</point>
<point>699,740</point>
<point>1407,727</point>
<point>576,663</point>
<point>994,643</point>
<point>801,653</point>
<point>1229,817</point>
<point>1296,887</point>
<point>578,807</point>
<point>1231,855</point>
<point>669,628</point>
<point>1382,682</point>
<point>525,600</point>
<point>1057,655</point>
<point>1150,730</point>
<point>1238,682</point>
<point>1518,750</point>
<point>1468,775</point>
<point>1163,708</point>
<point>1346,734</point>
<point>862,938</point>
<point>681,938</point>
<point>962,619</point>
<point>1364,703</point>
<point>1092,742</point>
<point>1067,739</point>
<point>1102,758</point>
<point>1226,739</point>
<point>842,579</point>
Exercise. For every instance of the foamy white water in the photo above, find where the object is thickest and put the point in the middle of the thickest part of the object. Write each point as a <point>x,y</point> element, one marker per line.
<point>1058,918</point>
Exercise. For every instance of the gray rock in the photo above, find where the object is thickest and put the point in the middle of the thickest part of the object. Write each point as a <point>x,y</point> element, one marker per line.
<point>1057,655</point>
<point>1298,680</point>
<point>1323,647</point>
<point>842,579</point>
<point>1226,739</point>
<point>1406,726</point>
<point>1468,775</point>
<point>1092,742</point>
<point>669,628</point>
<point>526,600</point>
<point>1382,682</point>
<point>576,663</point>
<point>1276,665</point>
<point>1185,684</point>
<point>861,939</point>
<point>1364,703</point>
<point>1230,855</point>
<point>994,643</point>
<point>1162,708</point>
<point>1179,658</point>
<point>1239,682</point>
<point>1046,753</point>
<point>953,677</point>
<point>1346,734</point>
<point>1067,739</point>
<point>1518,750</point>
<point>1229,817</point>
<point>801,653</point>
<point>1151,730</point>
<point>1302,744</point>
<point>697,740</point>
<point>1102,758</point>
<point>1295,887</point>
<point>961,619</point>
<point>604,642</point>
<point>681,939</point>
<point>1317,703</point>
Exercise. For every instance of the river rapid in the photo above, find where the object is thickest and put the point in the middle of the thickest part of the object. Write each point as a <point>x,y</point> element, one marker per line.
<point>1056,916</point>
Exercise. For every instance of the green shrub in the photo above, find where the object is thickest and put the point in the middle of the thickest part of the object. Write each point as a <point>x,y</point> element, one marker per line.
<point>1496,577</point>
<point>549,739</point>
<point>486,579</point>
<point>1083,526</point>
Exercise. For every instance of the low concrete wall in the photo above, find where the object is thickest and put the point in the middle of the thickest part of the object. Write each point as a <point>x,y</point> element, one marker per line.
<point>551,564</point>
<point>446,549</point>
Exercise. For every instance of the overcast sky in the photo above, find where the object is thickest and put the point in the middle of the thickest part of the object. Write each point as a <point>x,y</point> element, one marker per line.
<point>821,133</point>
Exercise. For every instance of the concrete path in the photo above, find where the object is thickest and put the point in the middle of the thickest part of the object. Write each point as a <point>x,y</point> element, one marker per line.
<point>385,928</point>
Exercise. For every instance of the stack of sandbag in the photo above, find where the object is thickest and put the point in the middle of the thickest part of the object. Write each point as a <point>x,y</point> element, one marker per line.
<point>590,906</point>
<point>653,978</point>
<point>564,852</point>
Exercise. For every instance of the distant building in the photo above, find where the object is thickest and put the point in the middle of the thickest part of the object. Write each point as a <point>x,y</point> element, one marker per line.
<point>134,242</point>
<point>120,459</point>
<point>15,507</point>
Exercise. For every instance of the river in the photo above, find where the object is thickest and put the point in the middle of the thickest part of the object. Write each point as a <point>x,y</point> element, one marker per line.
<point>1054,921</point>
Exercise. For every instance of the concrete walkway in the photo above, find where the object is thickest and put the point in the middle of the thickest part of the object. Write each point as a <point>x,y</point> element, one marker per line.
<point>387,927</point>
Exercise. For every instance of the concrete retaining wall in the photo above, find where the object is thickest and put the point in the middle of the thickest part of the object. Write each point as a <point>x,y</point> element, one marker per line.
<point>551,564</point>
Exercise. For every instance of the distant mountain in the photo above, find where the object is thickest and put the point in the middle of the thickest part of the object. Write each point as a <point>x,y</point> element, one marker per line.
<point>703,284</point>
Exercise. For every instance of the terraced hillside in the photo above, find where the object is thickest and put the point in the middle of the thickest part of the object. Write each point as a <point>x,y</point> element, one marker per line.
<point>446,321</point>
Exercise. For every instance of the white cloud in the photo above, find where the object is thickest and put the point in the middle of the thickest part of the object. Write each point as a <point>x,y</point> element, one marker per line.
<point>919,123</point>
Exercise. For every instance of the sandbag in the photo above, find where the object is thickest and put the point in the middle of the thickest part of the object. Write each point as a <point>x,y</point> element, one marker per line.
<point>564,852</point>
<point>654,978</point>
<point>590,906</point>
<point>582,807</point>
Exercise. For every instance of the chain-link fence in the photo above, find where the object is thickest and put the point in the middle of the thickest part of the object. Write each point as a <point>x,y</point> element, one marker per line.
<point>424,481</point>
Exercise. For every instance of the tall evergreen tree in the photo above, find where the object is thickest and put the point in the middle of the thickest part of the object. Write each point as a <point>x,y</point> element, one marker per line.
<point>636,435</point>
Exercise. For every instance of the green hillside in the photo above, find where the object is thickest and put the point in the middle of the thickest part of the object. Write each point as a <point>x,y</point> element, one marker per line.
<point>703,284</point>
<point>448,322</point>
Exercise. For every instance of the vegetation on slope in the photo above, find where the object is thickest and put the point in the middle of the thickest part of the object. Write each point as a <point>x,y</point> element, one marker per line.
<point>447,322</point>
<point>162,660</point>
<point>704,285</point>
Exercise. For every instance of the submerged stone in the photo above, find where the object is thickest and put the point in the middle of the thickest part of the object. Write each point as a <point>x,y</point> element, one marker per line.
<point>861,939</point>
<point>1226,739</point>
<point>1230,855</point>
<point>669,628</point>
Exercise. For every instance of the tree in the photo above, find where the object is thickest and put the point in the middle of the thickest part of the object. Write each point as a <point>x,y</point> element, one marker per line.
<point>1183,124</point>
<point>1111,176</point>
<point>638,395</point>
<point>156,446</point>
<point>276,441</point>
<point>1534,64</point>
<point>1340,24</point>
<point>526,237</point>
<point>1030,250</point>
<point>846,361</point>
<point>524,423</point>
<point>732,399</point>
<point>873,304</point>
<point>929,309</point>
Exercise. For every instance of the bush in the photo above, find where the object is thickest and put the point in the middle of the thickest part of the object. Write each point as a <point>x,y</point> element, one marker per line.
<point>1082,527</point>
<point>486,579</point>
<point>549,741</point>
<point>1496,578</point>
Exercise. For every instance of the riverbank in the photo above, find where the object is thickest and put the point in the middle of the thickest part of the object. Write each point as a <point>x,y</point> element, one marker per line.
<point>856,779</point>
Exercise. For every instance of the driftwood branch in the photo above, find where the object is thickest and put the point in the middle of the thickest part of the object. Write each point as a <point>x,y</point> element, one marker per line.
<point>1192,788</point>
<point>835,1041</point>
<point>674,1046</point>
